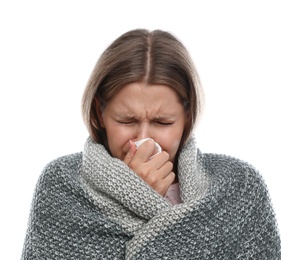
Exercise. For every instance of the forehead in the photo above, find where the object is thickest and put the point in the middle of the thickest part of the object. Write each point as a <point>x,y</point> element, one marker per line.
<point>152,99</point>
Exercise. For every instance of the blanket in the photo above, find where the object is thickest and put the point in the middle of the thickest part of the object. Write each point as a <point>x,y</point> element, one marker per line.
<point>90,205</point>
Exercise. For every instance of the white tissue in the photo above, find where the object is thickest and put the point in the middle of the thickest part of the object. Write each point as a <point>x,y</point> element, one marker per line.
<point>158,147</point>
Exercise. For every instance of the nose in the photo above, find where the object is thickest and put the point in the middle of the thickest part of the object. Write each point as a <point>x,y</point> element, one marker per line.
<point>144,130</point>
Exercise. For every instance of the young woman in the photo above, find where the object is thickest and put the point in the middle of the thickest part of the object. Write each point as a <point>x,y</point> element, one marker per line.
<point>141,189</point>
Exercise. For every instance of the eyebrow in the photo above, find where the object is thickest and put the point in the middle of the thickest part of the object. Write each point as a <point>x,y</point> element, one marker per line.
<point>164,116</point>
<point>124,115</point>
<point>157,117</point>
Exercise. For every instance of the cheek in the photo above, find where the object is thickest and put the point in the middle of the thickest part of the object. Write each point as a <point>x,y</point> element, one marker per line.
<point>170,145</point>
<point>118,141</point>
<point>170,142</point>
<point>173,149</point>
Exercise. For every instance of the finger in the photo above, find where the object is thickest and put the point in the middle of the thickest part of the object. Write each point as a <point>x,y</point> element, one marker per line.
<point>166,183</point>
<point>165,170</point>
<point>154,178</point>
<point>159,179</point>
<point>130,153</point>
<point>145,151</point>
<point>152,171</point>
<point>169,179</point>
<point>157,161</point>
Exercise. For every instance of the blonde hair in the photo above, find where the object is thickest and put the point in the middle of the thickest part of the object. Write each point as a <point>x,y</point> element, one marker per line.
<point>139,55</point>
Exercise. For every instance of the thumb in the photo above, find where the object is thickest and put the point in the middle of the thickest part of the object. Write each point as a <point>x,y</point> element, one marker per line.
<point>131,153</point>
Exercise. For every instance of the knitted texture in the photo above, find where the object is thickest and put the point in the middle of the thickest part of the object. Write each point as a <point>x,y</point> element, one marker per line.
<point>92,206</point>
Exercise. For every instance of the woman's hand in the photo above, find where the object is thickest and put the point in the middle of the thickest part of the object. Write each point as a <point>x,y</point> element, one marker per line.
<point>156,172</point>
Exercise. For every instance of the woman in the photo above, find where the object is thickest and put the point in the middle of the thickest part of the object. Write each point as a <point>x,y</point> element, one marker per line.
<point>120,199</point>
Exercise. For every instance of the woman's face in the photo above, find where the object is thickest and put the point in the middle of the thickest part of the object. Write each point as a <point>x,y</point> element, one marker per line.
<point>138,111</point>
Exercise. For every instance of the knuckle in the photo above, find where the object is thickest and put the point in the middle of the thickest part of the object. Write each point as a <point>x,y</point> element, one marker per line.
<point>143,173</point>
<point>152,180</point>
<point>162,189</point>
<point>170,165</point>
<point>165,155</point>
<point>172,175</point>
<point>132,165</point>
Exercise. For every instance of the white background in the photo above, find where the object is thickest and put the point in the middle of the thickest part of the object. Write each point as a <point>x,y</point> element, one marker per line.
<point>48,50</point>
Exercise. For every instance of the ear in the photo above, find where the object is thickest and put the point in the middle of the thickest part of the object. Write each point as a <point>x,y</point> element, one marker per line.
<point>99,108</point>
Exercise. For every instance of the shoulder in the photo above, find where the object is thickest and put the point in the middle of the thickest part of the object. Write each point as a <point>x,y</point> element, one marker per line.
<point>63,167</point>
<point>229,164</point>
<point>236,172</point>
<point>67,161</point>
<point>240,182</point>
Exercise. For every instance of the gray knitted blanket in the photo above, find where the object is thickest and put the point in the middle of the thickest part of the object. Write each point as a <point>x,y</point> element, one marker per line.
<point>92,206</point>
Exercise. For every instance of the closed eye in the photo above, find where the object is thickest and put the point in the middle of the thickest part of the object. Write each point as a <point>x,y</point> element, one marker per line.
<point>165,123</point>
<point>125,122</point>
